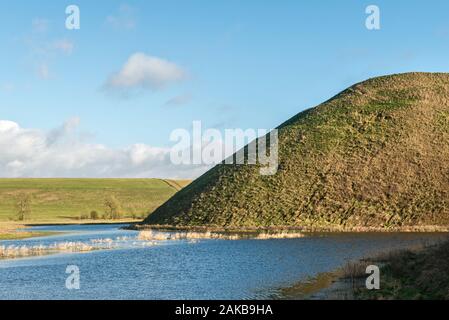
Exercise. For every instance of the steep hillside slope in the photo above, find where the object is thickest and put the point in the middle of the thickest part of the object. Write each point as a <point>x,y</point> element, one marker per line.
<point>377,155</point>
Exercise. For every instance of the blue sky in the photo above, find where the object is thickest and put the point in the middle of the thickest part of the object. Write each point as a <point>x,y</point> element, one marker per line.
<point>244,64</point>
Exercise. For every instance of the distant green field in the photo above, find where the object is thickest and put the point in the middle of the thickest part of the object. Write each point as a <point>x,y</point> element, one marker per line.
<point>68,199</point>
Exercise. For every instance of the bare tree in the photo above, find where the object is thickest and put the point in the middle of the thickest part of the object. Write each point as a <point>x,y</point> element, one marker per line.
<point>113,209</point>
<point>23,206</point>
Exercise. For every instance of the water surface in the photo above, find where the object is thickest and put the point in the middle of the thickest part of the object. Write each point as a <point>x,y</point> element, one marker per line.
<point>181,269</point>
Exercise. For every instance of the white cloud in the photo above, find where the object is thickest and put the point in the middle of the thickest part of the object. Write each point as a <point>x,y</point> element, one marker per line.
<point>8,126</point>
<point>124,19</point>
<point>39,25</point>
<point>62,153</point>
<point>43,50</point>
<point>146,72</point>
<point>64,45</point>
<point>178,100</point>
<point>7,87</point>
<point>43,71</point>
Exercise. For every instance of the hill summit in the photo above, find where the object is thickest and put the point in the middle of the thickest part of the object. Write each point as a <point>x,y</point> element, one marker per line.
<point>375,155</point>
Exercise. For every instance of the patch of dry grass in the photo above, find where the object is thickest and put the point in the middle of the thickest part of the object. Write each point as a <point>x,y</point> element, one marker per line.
<point>420,272</point>
<point>14,231</point>
<point>195,235</point>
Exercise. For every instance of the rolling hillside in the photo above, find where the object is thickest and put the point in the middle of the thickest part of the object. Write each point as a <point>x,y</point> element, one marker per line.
<point>67,199</point>
<point>375,155</point>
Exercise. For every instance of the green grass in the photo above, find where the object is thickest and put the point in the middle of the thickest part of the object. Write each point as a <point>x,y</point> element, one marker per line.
<point>413,275</point>
<point>376,155</point>
<point>67,199</point>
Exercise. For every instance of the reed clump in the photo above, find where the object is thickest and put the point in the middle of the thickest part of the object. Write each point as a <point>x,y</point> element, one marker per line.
<point>191,235</point>
<point>18,251</point>
<point>22,251</point>
<point>280,235</point>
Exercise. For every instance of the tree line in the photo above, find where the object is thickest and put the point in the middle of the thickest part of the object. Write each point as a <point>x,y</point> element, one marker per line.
<point>112,209</point>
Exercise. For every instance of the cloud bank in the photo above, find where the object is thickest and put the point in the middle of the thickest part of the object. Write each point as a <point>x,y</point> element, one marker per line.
<point>63,152</point>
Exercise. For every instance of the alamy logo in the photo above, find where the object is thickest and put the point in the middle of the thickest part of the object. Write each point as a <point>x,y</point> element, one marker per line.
<point>372,22</point>
<point>373,280</point>
<point>210,147</point>
<point>73,280</point>
<point>73,21</point>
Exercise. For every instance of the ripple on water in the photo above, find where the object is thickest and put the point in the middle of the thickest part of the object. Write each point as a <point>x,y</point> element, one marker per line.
<point>186,268</point>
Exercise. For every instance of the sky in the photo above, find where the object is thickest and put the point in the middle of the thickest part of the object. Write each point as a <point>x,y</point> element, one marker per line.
<point>102,100</point>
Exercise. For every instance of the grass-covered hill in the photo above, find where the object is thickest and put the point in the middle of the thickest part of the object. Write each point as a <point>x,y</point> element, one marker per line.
<point>375,155</point>
<point>63,200</point>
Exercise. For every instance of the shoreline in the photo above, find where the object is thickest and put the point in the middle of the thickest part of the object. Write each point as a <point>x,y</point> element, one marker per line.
<point>308,288</point>
<point>19,230</point>
<point>25,235</point>
<point>279,229</point>
<point>347,282</point>
<point>87,223</point>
